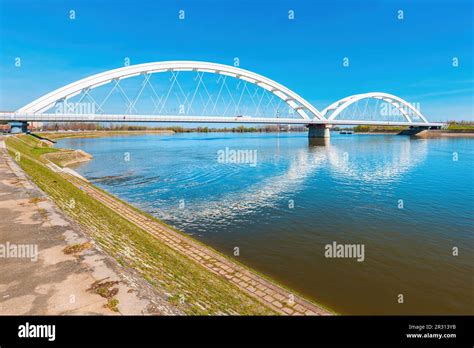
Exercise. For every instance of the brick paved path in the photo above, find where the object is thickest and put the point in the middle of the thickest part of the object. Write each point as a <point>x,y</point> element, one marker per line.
<point>279,299</point>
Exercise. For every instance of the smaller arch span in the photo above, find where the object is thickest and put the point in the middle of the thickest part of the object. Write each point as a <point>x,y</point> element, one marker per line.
<point>400,104</point>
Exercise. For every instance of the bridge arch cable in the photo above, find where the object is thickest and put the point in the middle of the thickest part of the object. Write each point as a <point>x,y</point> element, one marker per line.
<point>387,108</point>
<point>249,95</point>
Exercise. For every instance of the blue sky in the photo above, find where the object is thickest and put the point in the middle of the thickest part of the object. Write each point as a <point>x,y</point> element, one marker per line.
<point>411,58</point>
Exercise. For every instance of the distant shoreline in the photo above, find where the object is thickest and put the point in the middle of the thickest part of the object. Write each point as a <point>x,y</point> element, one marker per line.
<point>431,133</point>
<point>54,135</point>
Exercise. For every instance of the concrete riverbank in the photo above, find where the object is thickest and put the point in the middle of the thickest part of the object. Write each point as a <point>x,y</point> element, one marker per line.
<point>49,266</point>
<point>189,276</point>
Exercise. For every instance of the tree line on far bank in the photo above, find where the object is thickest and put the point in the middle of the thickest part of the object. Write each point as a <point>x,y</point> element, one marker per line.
<point>453,126</point>
<point>77,126</point>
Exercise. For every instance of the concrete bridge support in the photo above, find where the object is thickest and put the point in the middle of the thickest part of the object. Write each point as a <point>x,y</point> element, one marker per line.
<point>318,142</point>
<point>18,127</point>
<point>318,131</point>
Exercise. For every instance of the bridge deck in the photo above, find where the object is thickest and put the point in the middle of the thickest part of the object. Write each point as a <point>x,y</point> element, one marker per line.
<point>12,116</point>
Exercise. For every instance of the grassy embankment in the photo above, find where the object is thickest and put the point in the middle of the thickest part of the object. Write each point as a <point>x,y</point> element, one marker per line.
<point>453,127</point>
<point>461,127</point>
<point>188,286</point>
<point>378,129</point>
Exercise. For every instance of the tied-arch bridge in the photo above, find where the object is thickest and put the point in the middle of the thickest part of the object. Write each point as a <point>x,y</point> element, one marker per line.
<point>252,99</point>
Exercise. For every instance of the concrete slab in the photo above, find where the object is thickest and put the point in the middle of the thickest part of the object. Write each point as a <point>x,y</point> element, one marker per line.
<point>53,282</point>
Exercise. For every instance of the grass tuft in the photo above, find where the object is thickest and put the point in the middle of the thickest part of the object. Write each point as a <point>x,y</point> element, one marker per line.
<point>77,248</point>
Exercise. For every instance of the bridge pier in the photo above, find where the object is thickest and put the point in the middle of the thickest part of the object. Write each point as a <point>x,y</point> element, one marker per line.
<point>318,131</point>
<point>18,127</point>
<point>318,142</point>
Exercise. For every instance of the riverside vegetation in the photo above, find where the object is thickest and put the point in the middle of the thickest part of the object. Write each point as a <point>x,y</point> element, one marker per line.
<point>452,127</point>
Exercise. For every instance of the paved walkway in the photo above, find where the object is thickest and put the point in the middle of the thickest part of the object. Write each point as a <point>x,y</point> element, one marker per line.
<point>48,281</point>
<point>272,295</point>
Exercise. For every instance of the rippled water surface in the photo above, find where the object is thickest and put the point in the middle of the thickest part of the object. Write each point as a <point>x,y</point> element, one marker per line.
<point>408,201</point>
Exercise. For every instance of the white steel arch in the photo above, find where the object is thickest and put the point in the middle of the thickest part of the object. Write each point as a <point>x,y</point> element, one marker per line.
<point>401,105</point>
<point>295,101</point>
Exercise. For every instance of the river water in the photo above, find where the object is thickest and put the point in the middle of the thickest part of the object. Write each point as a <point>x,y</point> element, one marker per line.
<point>282,203</point>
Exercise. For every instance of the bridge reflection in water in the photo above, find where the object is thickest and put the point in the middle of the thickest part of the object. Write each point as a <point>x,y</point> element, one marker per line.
<point>304,165</point>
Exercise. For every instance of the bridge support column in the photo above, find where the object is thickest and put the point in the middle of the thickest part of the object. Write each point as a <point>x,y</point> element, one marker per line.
<point>18,127</point>
<point>318,131</point>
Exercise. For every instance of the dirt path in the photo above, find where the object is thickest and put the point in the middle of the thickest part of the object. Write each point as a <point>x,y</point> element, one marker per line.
<point>48,266</point>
